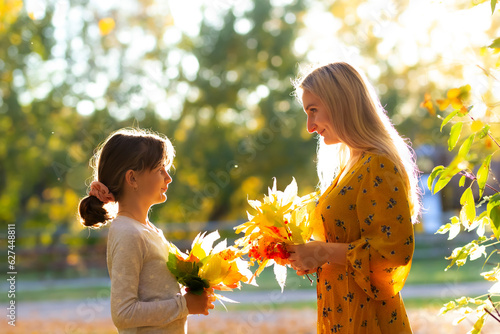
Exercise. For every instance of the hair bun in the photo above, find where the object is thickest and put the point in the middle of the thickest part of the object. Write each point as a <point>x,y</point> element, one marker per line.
<point>92,212</point>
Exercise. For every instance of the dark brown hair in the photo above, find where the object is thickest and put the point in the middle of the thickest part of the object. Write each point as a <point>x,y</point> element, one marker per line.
<point>123,150</point>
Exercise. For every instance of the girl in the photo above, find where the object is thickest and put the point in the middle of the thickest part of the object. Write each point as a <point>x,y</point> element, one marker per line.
<point>364,247</point>
<point>131,168</point>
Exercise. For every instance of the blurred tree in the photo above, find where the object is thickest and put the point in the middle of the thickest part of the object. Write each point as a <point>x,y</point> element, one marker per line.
<point>73,72</point>
<point>241,126</point>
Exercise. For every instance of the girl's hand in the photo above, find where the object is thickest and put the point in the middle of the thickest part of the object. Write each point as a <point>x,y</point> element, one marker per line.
<point>200,304</point>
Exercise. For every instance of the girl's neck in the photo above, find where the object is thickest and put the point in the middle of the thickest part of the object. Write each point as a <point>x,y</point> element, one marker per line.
<point>134,212</point>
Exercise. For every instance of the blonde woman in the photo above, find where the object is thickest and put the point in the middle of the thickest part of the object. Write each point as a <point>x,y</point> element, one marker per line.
<point>363,251</point>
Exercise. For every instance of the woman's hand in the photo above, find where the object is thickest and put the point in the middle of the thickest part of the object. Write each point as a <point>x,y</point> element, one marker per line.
<point>305,272</point>
<point>308,257</point>
<point>200,304</point>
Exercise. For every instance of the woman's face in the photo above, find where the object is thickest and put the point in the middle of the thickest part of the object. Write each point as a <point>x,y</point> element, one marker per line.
<point>318,119</point>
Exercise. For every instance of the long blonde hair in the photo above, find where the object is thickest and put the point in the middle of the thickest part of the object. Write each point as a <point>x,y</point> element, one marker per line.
<point>360,122</point>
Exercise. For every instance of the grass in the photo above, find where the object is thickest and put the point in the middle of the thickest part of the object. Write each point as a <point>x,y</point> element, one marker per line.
<point>428,271</point>
<point>60,294</point>
<point>432,271</point>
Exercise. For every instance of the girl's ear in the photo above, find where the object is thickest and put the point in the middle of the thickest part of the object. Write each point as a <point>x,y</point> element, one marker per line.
<point>130,178</point>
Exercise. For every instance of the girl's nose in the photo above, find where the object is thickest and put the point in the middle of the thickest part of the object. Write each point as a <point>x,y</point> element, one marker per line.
<point>168,178</point>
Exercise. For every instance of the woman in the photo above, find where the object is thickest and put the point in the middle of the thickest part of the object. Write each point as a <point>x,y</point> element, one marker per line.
<point>364,246</point>
<point>131,168</point>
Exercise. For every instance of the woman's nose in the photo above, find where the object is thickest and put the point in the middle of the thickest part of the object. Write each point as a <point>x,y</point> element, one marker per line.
<point>311,127</point>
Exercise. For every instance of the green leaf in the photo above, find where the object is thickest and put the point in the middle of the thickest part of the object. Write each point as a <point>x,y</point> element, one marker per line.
<point>435,172</point>
<point>478,326</point>
<point>482,174</point>
<point>445,177</point>
<point>493,209</point>
<point>448,118</point>
<point>468,212</point>
<point>447,307</point>
<point>444,229</point>
<point>493,5</point>
<point>465,147</point>
<point>462,181</point>
<point>484,132</point>
<point>195,284</point>
<point>453,228</point>
<point>172,264</point>
<point>455,131</point>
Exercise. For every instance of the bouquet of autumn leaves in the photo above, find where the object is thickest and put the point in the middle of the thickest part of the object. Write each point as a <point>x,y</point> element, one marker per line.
<point>219,267</point>
<point>281,219</point>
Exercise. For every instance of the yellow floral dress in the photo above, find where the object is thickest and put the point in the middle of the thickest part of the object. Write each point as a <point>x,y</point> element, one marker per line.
<point>369,210</point>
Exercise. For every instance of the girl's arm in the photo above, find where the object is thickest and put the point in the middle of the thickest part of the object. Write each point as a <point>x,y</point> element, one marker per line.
<point>126,255</point>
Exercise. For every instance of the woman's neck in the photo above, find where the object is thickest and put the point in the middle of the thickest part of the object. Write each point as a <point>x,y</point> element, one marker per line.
<point>354,157</point>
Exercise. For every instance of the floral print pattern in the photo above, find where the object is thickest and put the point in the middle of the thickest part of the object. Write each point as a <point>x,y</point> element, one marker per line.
<point>368,211</point>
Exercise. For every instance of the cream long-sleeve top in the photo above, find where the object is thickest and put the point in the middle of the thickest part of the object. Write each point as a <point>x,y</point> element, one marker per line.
<point>145,296</point>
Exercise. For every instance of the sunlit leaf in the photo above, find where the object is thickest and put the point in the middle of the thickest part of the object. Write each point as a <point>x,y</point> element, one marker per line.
<point>468,212</point>
<point>476,252</point>
<point>476,126</point>
<point>493,4</point>
<point>443,229</point>
<point>454,231</point>
<point>455,131</point>
<point>461,183</point>
<point>459,255</point>
<point>493,209</point>
<point>447,307</point>
<point>478,326</point>
<point>446,175</point>
<point>280,273</point>
<point>482,174</point>
<point>465,147</point>
<point>496,42</point>
<point>447,119</point>
<point>441,183</point>
<point>492,275</point>
<point>484,132</point>
<point>435,172</point>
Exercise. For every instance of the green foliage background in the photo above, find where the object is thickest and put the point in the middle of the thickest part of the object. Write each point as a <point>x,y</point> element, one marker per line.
<point>222,95</point>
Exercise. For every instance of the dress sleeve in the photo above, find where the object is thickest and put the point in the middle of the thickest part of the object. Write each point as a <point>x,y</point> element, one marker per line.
<point>127,252</point>
<point>381,259</point>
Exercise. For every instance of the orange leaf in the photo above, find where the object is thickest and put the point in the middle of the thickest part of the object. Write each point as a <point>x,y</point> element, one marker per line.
<point>427,104</point>
<point>443,104</point>
<point>106,25</point>
<point>488,142</point>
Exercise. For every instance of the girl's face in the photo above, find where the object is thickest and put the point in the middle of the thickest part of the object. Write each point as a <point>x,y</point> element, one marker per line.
<point>317,118</point>
<point>152,185</point>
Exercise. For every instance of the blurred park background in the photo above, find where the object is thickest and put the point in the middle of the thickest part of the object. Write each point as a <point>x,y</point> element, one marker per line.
<point>215,77</point>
